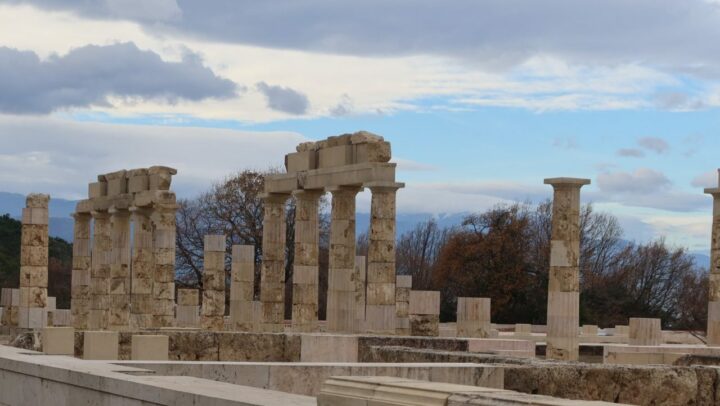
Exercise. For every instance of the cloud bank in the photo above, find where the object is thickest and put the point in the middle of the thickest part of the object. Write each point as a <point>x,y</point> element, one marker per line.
<point>91,75</point>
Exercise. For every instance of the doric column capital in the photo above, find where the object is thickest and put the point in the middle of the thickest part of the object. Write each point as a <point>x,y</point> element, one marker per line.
<point>384,187</point>
<point>344,190</point>
<point>97,214</point>
<point>569,183</point>
<point>308,194</point>
<point>275,197</point>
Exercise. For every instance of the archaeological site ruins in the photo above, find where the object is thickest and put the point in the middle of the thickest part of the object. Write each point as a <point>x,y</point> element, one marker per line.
<point>132,337</point>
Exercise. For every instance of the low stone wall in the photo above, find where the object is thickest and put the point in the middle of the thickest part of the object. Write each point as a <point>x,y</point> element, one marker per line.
<point>36,379</point>
<point>306,378</point>
<point>642,385</point>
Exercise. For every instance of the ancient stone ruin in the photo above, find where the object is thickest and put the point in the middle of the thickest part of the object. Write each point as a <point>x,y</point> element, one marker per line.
<point>383,342</point>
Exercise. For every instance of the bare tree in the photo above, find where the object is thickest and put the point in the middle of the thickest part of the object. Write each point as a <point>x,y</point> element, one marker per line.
<point>417,251</point>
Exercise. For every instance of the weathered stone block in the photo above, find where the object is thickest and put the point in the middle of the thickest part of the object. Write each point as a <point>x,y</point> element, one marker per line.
<point>58,340</point>
<point>150,347</point>
<point>101,345</point>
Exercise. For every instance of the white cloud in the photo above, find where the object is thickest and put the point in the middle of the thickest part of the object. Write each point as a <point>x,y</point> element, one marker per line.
<point>641,181</point>
<point>655,144</point>
<point>707,179</point>
<point>63,163</point>
<point>630,152</point>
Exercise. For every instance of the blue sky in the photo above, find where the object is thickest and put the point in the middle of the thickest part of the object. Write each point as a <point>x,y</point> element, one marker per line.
<point>481,100</point>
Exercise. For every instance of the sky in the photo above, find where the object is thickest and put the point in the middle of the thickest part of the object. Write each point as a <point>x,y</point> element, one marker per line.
<point>481,99</point>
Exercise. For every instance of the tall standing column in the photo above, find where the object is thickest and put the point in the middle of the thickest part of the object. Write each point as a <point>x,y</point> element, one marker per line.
<point>34,261</point>
<point>81,264</point>
<point>164,232</point>
<point>305,268</point>
<point>272,275</point>
<point>713,323</point>
<point>143,270</point>
<point>341,306</point>
<point>242,281</point>
<point>100,272</point>
<point>119,296</point>
<point>563,311</point>
<point>380,309</point>
<point>213,303</point>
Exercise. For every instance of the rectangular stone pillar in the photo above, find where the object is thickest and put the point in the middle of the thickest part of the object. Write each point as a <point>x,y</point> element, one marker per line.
<point>341,298</point>
<point>81,271</point>
<point>272,276</point>
<point>32,295</point>
<point>119,308</point>
<point>242,282</point>
<point>563,312</point>
<point>305,268</point>
<point>380,310</point>
<point>143,270</point>
<point>713,322</point>
<point>360,279</point>
<point>424,313</point>
<point>213,304</point>
<point>164,231</point>
<point>34,262</point>
<point>10,301</point>
<point>644,331</point>
<point>403,286</point>
<point>100,271</point>
<point>187,312</point>
<point>473,317</point>
<point>589,330</point>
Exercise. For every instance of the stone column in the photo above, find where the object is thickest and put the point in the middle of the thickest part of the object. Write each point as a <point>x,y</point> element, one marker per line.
<point>713,322</point>
<point>563,312</point>
<point>424,313</point>
<point>143,270</point>
<point>34,262</point>
<point>272,276</point>
<point>360,280</point>
<point>242,282</point>
<point>380,310</point>
<point>100,272</point>
<point>187,312</point>
<point>341,300</point>
<point>81,271</point>
<point>645,331</point>
<point>305,268</point>
<point>213,304</point>
<point>403,286</point>
<point>164,231</point>
<point>473,317</point>
<point>119,297</point>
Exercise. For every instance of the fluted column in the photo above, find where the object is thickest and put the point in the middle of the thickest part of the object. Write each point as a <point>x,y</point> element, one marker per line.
<point>34,261</point>
<point>380,309</point>
<point>713,323</point>
<point>164,232</point>
<point>305,268</point>
<point>563,311</point>
<point>341,300</point>
<point>272,276</point>
<point>81,268</point>
<point>100,273</point>
<point>143,270</point>
<point>119,296</point>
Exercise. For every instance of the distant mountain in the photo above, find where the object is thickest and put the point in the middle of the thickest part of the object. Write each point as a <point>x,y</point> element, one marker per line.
<point>406,222</point>
<point>61,224</point>
<point>701,260</point>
